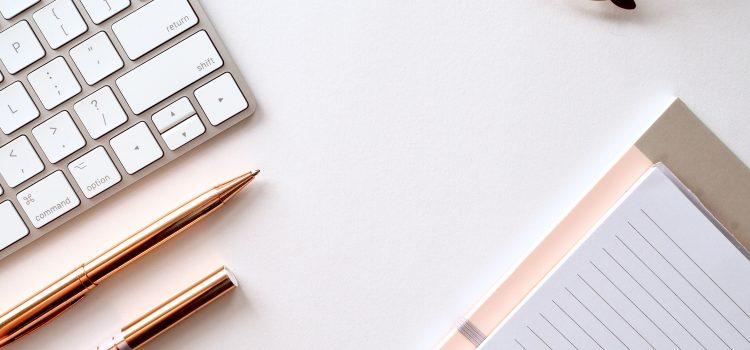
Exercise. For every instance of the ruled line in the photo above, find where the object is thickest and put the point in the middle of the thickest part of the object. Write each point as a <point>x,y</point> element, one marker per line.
<point>540,338</point>
<point>673,292</point>
<point>695,263</point>
<point>688,281</point>
<point>597,318</point>
<point>634,304</point>
<point>654,299</point>
<point>519,344</point>
<point>577,324</point>
<point>558,331</point>
<point>615,310</point>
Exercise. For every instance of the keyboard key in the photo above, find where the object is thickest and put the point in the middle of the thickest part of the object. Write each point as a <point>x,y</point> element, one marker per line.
<point>173,114</point>
<point>169,72</point>
<point>10,8</point>
<point>60,22</point>
<point>221,99</point>
<point>102,10</point>
<point>58,137</point>
<point>136,148</point>
<point>16,108</point>
<point>19,162</point>
<point>54,83</point>
<point>94,172</point>
<point>13,227</point>
<point>184,132</point>
<point>152,25</point>
<point>69,136</point>
<point>96,58</point>
<point>19,47</point>
<point>100,112</point>
<point>48,199</point>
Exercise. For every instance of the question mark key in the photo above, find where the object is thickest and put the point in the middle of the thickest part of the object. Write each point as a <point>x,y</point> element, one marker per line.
<point>100,112</point>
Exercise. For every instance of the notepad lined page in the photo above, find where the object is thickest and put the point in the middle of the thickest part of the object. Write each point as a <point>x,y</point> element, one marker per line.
<point>655,273</point>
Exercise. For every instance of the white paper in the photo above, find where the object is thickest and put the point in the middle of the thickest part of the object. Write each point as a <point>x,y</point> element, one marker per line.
<point>656,273</point>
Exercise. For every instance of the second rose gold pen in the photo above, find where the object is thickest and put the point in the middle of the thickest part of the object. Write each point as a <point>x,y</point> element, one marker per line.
<point>165,316</point>
<point>59,296</point>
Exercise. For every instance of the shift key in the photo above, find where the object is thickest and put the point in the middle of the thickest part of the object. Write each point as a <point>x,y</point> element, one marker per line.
<point>48,199</point>
<point>169,72</point>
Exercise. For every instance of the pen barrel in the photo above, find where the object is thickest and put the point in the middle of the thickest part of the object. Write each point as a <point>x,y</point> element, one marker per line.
<point>59,296</point>
<point>176,309</point>
<point>152,236</point>
<point>43,306</point>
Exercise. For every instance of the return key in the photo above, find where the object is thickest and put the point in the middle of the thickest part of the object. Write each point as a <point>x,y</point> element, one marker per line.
<point>152,25</point>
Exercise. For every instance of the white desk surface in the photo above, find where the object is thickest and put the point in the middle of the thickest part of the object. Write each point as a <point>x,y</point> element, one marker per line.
<point>412,153</point>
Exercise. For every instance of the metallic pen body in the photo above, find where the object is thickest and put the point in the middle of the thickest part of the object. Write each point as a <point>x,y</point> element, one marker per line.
<point>59,296</point>
<point>149,326</point>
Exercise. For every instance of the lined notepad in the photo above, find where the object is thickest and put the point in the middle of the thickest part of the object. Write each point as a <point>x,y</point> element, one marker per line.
<point>656,273</point>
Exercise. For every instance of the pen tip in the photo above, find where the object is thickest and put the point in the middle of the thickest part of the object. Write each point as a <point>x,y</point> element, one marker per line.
<point>230,188</point>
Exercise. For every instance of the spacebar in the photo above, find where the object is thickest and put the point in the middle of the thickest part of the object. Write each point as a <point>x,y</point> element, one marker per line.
<point>169,72</point>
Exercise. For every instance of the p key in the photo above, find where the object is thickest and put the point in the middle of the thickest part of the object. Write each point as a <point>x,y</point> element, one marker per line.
<point>19,47</point>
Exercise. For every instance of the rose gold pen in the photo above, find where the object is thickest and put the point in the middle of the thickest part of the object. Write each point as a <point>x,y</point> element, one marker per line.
<point>149,326</point>
<point>59,296</point>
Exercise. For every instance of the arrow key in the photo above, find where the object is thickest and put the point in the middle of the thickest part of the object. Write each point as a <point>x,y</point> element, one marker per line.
<point>184,132</point>
<point>173,114</point>
<point>221,99</point>
<point>136,148</point>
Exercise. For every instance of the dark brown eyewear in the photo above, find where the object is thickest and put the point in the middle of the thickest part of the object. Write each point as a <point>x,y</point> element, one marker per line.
<point>626,4</point>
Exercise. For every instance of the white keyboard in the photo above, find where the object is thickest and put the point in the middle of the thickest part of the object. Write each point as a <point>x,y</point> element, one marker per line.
<point>95,95</point>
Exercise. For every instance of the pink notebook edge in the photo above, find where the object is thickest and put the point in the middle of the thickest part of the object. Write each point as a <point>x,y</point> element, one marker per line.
<point>679,140</point>
<point>522,279</point>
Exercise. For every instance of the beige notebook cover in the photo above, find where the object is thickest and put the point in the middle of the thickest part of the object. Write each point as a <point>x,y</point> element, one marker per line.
<point>679,140</point>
